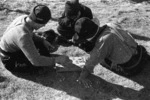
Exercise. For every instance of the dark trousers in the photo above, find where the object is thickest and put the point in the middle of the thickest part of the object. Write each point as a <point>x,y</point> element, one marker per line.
<point>17,61</point>
<point>134,66</point>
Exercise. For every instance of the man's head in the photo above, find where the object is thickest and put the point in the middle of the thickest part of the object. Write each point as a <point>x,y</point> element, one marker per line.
<point>72,8</point>
<point>85,29</point>
<point>74,1</point>
<point>40,14</point>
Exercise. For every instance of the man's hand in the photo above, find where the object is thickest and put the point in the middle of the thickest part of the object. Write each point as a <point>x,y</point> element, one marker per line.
<point>63,60</point>
<point>86,82</point>
<point>49,46</point>
<point>83,79</point>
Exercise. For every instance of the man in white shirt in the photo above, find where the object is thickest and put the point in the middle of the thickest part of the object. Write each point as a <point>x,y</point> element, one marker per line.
<point>19,44</point>
<point>113,48</point>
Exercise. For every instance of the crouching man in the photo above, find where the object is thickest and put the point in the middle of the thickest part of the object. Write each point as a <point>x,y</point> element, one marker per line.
<point>112,47</point>
<point>19,46</point>
<point>73,11</point>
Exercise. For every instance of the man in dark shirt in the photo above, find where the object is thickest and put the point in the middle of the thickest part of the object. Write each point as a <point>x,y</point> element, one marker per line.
<point>73,11</point>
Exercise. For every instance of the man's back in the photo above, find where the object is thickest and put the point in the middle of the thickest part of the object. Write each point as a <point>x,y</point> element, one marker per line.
<point>12,34</point>
<point>113,48</point>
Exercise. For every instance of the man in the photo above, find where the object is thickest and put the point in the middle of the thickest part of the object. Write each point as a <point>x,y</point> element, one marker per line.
<point>19,45</point>
<point>113,47</point>
<point>73,11</point>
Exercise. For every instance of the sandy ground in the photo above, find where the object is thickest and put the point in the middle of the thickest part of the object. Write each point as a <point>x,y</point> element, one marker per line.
<point>133,15</point>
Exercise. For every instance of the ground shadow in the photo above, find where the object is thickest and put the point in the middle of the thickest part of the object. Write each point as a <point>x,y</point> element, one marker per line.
<point>67,82</point>
<point>140,1</point>
<point>144,79</point>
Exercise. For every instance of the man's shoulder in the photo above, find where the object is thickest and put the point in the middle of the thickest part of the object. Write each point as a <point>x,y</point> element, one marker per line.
<point>68,2</point>
<point>20,17</point>
<point>106,35</point>
<point>84,7</point>
<point>21,30</point>
<point>86,11</point>
<point>20,23</point>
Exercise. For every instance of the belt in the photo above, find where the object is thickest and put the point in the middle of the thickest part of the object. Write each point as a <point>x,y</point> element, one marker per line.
<point>134,61</point>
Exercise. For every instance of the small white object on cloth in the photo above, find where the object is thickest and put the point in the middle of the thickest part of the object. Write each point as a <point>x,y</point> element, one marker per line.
<point>79,61</point>
<point>77,64</point>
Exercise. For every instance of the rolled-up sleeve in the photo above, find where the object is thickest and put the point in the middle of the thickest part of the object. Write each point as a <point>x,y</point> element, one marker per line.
<point>26,44</point>
<point>99,53</point>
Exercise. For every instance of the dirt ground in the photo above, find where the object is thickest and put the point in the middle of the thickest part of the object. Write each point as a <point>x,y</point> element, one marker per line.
<point>133,15</point>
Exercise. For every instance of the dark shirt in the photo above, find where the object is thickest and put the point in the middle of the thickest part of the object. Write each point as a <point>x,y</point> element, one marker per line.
<point>66,23</point>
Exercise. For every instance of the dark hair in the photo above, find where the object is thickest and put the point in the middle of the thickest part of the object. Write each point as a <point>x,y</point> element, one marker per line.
<point>40,14</point>
<point>85,28</point>
<point>71,9</point>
